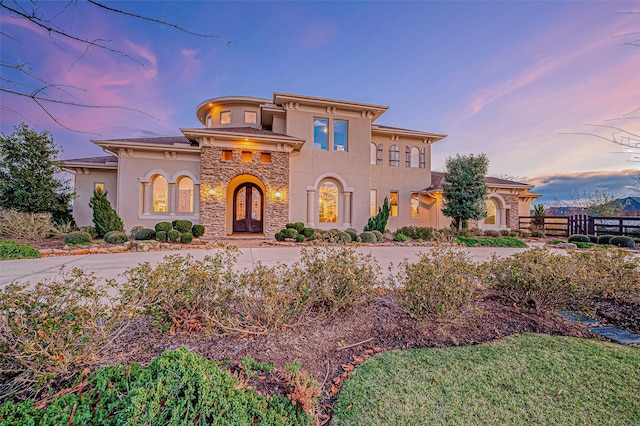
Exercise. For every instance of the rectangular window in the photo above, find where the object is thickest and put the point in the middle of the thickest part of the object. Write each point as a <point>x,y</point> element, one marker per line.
<point>373,203</point>
<point>394,156</point>
<point>227,155</point>
<point>209,120</point>
<point>247,157</point>
<point>379,158</point>
<point>98,186</point>
<point>265,157</point>
<point>415,204</point>
<point>393,203</point>
<point>320,133</point>
<point>407,156</point>
<point>225,117</point>
<point>250,117</point>
<point>340,129</point>
<point>423,158</point>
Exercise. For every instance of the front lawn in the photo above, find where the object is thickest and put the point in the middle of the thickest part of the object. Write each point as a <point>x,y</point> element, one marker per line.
<point>523,379</point>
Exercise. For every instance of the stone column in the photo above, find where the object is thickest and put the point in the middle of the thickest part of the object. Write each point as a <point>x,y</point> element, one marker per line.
<point>346,209</point>
<point>147,196</point>
<point>311,208</point>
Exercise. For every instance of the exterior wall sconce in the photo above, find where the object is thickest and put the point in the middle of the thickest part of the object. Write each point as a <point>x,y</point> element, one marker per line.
<point>278,195</point>
<point>212,192</point>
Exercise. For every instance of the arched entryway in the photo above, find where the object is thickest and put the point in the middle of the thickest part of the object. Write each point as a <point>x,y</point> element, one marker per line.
<point>248,209</point>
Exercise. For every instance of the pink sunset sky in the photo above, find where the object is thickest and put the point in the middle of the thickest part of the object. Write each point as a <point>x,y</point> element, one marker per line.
<point>518,81</point>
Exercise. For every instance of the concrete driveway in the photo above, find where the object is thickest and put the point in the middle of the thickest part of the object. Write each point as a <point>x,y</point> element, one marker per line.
<point>113,265</point>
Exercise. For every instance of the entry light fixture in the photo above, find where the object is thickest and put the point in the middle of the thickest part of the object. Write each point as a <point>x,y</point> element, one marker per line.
<point>278,195</point>
<point>212,192</point>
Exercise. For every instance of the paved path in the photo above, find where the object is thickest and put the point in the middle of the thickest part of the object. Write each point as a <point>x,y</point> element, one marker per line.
<point>113,265</point>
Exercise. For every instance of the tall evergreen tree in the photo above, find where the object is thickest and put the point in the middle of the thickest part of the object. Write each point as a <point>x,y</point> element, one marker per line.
<point>29,162</point>
<point>379,221</point>
<point>464,189</point>
<point>105,218</point>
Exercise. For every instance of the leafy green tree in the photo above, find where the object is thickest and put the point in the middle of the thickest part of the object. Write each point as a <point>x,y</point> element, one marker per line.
<point>29,162</point>
<point>379,221</point>
<point>105,218</point>
<point>464,189</point>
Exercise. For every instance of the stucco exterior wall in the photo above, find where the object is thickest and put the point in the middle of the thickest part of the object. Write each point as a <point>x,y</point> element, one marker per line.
<point>219,178</point>
<point>84,185</point>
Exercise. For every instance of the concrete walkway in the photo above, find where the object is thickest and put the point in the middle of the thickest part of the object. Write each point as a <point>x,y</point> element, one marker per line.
<point>113,265</point>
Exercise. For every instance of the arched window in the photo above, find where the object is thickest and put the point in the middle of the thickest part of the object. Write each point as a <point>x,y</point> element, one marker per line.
<point>160,194</point>
<point>374,150</point>
<point>492,212</point>
<point>379,159</point>
<point>185,195</point>
<point>415,157</point>
<point>328,202</point>
<point>394,156</point>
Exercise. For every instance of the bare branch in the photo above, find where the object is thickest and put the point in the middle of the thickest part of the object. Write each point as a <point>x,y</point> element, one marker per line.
<point>615,128</point>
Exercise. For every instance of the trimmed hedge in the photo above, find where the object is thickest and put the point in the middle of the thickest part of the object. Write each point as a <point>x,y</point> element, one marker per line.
<point>604,239</point>
<point>163,226</point>
<point>621,241</point>
<point>173,236</point>
<point>161,236</point>
<point>368,237</point>
<point>579,238</point>
<point>145,234</point>
<point>197,231</point>
<point>116,237</point>
<point>182,226</point>
<point>77,237</point>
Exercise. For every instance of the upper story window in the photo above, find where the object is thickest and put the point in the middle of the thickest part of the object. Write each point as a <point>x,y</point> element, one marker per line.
<point>374,150</point>
<point>379,159</point>
<point>227,155</point>
<point>250,117</point>
<point>209,120</point>
<point>394,156</point>
<point>415,157</point>
<point>407,156</point>
<point>423,158</point>
<point>247,156</point>
<point>225,117</point>
<point>340,128</point>
<point>320,133</point>
<point>265,157</point>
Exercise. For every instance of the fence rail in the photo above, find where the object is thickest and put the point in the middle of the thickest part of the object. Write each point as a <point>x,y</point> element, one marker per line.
<point>563,226</point>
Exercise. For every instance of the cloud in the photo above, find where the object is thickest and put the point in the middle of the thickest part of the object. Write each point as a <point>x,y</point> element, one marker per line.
<point>562,186</point>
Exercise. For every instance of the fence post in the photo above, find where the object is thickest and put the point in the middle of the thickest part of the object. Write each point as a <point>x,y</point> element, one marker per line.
<point>591,228</point>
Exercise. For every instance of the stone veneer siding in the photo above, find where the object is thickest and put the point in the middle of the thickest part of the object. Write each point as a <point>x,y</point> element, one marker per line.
<point>216,173</point>
<point>513,218</point>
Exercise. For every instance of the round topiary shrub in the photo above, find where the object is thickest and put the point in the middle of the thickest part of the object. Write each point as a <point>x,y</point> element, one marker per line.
<point>593,239</point>
<point>289,233</point>
<point>401,237</point>
<point>197,231</point>
<point>308,232</point>
<point>604,239</point>
<point>621,241</point>
<point>77,237</point>
<point>298,226</point>
<point>279,236</point>
<point>289,225</point>
<point>186,237</point>
<point>343,237</point>
<point>352,233</point>
<point>163,226</point>
<point>378,235</point>
<point>161,236</point>
<point>368,237</point>
<point>579,238</point>
<point>299,238</point>
<point>333,231</point>
<point>173,235</point>
<point>183,226</point>
<point>145,234</point>
<point>116,237</point>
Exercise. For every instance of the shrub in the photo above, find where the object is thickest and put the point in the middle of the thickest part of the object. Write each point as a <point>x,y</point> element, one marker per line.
<point>279,236</point>
<point>173,235</point>
<point>579,238</point>
<point>415,232</point>
<point>352,233</point>
<point>53,327</point>
<point>401,237</point>
<point>379,221</point>
<point>116,237</point>
<point>298,226</point>
<point>621,241</point>
<point>179,387</point>
<point>368,237</point>
<point>504,232</point>
<point>593,239</point>
<point>289,233</point>
<point>516,233</point>
<point>299,238</point>
<point>308,232</point>
<point>186,237</point>
<point>64,227</point>
<point>197,231</point>
<point>536,279</point>
<point>343,237</point>
<point>183,226</point>
<point>604,239</point>
<point>471,232</point>
<point>491,233</point>
<point>333,231</point>
<point>26,226</point>
<point>442,281</point>
<point>378,235</point>
<point>10,249</point>
<point>537,233</point>
<point>290,225</point>
<point>105,218</point>
<point>493,242</point>
<point>77,238</point>
<point>134,230</point>
<point>145,234</point>
<point>163,226</point>
<point>161,236</point>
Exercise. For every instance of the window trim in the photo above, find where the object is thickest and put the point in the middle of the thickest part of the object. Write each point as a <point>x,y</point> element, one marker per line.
<point>423,158</point>
<point>229,115</point>
<point>255,117</point>
<point>392,204</point>
<point>346,135</point>
<point>326,148</point>
<point>192,197</point>
<point>337,201</point>
<point>415,196</point>
<point>380,155</point>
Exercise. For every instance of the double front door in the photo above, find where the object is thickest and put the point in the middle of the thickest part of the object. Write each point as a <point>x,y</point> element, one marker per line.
<point>248,208</point>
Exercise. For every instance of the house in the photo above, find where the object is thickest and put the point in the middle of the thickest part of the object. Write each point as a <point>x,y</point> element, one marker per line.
<point>257,164</point>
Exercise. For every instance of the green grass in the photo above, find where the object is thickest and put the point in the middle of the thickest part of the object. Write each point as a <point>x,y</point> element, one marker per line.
<point>9,249</point>
<point>492,242</point>
<point>524,379</point>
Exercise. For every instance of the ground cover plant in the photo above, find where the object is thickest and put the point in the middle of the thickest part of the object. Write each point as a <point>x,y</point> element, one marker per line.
<point>523,379</point>
<point>492,242</point>
<point>10,249</point>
